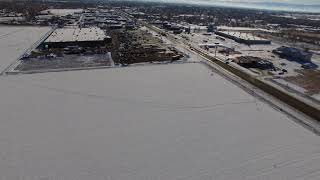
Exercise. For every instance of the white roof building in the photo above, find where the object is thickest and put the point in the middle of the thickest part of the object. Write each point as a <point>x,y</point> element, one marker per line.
<point>76,34</point>
<point>244,36</point>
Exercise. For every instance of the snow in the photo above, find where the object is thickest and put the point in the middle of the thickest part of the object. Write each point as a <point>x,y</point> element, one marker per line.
<point>243,29</point>
<point>178,121</point>
<point>15,40</point>
<point>316,96</point>
<point>244,36</point>
<point>62,12</point>
<point>76,34</point>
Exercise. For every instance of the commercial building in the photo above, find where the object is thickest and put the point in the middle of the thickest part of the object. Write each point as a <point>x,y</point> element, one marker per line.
<point>253,62</point>
<point>211,28</point>
<point>293,53</point>
<point>83,37</point>
<point>244,38</point>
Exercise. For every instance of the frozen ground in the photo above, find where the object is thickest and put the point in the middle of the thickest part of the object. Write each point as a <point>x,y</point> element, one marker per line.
<point>177,122</point>
<point>316,96</point>
<point>15,40</point>
<point>7,19</point>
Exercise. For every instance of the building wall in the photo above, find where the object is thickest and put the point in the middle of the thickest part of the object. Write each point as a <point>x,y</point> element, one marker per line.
<point>77,43</point>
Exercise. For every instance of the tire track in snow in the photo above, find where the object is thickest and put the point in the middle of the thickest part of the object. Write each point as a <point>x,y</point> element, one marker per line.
<point>10,33</point>
<point>153,104</point>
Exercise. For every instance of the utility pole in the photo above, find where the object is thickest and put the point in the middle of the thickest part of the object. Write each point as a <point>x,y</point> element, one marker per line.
<point>216,48</point>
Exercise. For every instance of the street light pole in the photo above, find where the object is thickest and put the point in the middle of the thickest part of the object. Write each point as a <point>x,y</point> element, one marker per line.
<point>216,47</point>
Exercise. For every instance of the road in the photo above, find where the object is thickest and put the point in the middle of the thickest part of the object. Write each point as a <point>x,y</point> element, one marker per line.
<point>197,54</point>
<point>28,51</point>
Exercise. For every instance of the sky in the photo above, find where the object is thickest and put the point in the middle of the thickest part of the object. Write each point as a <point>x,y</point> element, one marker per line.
<point>288,5</point>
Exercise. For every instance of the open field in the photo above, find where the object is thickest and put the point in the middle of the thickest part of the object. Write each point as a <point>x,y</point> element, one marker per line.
<point>15,40</point>
<point>308,79</point>
<point>177,121</point>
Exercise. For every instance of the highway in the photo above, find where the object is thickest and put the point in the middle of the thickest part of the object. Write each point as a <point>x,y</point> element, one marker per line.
<point>307,115</point>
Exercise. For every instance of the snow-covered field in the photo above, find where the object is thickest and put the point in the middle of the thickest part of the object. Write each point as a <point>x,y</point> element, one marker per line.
<point>15,40</point>
<point>178,121</point>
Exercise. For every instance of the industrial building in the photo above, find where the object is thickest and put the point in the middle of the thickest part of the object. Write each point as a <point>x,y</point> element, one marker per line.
<point>211,28</point>
<point>254,62</point>
<point>83,37</point>
<point>244,38</point>
<point>293,53</point>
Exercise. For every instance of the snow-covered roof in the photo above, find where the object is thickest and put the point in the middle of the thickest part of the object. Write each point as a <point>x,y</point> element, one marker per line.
<point>76,34</point>
<point>244,36</point>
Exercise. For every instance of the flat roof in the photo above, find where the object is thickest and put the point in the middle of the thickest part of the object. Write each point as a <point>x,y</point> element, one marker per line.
<point>62,12</point>
<point>244,36</point>
<point>76,34</point>
<point>176,121</point>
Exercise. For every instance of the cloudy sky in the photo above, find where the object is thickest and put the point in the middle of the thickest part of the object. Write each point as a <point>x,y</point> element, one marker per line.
<point>290,5</point>
<point>256,1</point>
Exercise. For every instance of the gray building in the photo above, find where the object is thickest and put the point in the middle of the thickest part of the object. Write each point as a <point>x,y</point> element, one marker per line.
<point>293,53</point>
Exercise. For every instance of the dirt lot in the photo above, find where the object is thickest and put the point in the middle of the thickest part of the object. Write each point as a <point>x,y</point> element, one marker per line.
<point>140,46</point>
<point>308,79</point>
<point>67,61</point>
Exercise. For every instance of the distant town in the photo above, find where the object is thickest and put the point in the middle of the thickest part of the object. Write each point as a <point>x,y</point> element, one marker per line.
<point>283,47</point>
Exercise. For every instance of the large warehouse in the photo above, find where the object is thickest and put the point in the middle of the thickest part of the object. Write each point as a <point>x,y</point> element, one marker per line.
<point>84,37</point>
<point>245,38</point>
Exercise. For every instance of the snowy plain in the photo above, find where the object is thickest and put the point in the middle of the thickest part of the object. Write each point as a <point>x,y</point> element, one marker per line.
<point>177,122</point>
<point>15,40</point>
